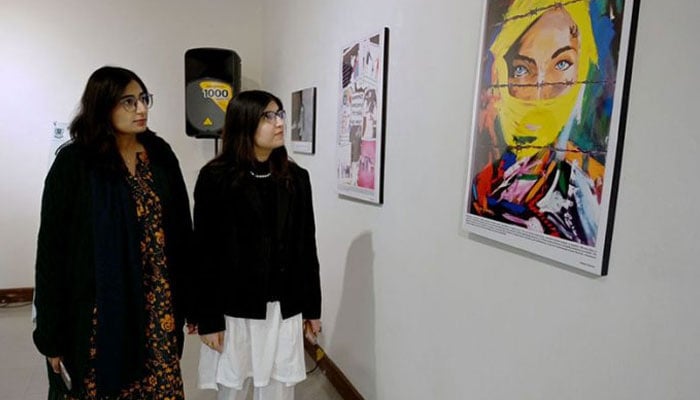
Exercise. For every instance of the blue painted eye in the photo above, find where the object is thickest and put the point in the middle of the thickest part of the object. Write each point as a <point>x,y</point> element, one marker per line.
<point>520,71</point>
<point>563,65</point>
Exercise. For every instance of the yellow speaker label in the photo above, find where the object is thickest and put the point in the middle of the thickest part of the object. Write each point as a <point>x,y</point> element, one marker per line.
<point>207,122</point>
<point>218,92</point>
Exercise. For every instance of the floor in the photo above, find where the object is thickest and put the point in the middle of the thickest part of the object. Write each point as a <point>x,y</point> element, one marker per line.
<point>23,372</point>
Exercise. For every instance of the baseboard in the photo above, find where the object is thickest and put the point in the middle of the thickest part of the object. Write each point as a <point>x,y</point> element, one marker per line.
<point>336,377</point>
<point>16,295</point>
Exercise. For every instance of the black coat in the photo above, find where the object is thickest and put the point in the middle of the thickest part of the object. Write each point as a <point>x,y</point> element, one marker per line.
<point>234,248</point>
<point>65,292</point>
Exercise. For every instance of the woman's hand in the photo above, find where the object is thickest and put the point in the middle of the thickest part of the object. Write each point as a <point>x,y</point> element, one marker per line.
<point>312,327</point>
<point>55,363</point>
<point>214,340</point>
<point>191,329</point>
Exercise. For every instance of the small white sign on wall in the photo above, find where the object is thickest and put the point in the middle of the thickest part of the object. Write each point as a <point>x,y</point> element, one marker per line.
<point>59,136</point>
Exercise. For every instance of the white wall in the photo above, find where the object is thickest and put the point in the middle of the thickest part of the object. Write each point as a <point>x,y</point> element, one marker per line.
<point>414,310</point>
<point>49,48</point>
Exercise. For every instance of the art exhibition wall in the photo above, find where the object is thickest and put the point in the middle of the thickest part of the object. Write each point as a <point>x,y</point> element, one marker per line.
<point>413,308</point>
<point>416,310</point>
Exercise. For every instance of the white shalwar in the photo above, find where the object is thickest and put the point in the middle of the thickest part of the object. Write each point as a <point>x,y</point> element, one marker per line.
<point>267,350</point>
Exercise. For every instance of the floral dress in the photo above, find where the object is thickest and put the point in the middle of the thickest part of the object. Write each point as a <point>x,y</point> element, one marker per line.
<point>162,380</point>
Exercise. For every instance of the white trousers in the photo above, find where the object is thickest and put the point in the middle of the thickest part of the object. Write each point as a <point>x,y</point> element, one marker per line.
<point>275,390</point>
<point>271,351</point>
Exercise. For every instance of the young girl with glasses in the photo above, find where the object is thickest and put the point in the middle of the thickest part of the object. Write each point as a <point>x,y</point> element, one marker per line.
<point>258,284</point>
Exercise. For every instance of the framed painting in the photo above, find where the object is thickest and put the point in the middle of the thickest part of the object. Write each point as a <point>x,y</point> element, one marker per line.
<point>304,121</point>
<point>361,116</point>
<point>548,126</point>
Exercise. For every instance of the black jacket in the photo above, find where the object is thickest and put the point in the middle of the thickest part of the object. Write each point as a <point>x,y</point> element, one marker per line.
<point>65,292</point>
<point>234,242</point>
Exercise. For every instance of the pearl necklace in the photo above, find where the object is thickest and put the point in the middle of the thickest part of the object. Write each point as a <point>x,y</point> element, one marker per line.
<point>260,176</point>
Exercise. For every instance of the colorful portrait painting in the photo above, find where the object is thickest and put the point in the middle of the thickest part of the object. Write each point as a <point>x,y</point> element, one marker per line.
<point>548,107</point>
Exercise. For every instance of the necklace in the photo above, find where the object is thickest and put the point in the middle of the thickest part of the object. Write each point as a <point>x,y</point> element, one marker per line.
<point>260,176</point>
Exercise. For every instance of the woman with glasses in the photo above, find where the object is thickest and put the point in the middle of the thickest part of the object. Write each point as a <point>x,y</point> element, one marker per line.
<point>112,252</point>
<point>258,286</point>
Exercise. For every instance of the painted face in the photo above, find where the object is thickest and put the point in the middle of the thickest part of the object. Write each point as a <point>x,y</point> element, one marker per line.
<point>130,115</point>
<point>270,132</point>
<point>545,58</point>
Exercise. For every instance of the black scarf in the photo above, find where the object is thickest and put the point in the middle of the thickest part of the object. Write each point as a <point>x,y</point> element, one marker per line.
<point>119,284</point>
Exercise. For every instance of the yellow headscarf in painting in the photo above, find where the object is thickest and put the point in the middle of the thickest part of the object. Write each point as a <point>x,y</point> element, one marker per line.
<point>542,118</point>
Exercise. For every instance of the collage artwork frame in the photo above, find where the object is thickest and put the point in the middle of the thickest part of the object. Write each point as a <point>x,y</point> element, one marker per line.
<point>361,118</point>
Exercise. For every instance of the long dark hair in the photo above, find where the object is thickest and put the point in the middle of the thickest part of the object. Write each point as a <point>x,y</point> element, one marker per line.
<point>92,127</point>
<point>238,144</point>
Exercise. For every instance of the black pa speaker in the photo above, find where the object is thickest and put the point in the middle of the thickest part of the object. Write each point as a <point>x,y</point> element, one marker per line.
<point>212,78</point>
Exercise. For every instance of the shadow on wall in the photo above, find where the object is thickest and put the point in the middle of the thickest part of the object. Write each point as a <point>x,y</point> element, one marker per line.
<point>353,339</point>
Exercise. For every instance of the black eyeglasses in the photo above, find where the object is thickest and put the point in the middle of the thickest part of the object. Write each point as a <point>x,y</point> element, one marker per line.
<point>271,116</point>
<point>130,103</point>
